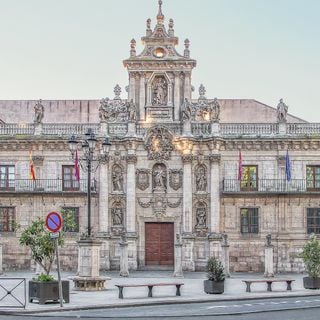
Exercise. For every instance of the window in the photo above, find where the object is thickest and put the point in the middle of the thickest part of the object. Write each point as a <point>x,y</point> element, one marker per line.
<point>70,182</point>
<point>249,180</point>
<point>249,220</point>
<point>7,219</point>
<point>313,177</point>
<point>313,220</point>
<point>71,214</point>
<point>7,175</point>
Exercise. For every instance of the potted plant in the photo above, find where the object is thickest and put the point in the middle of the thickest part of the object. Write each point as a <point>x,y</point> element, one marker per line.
<point>36,236</point>
<point>311,258</point>
<point>215,275</point>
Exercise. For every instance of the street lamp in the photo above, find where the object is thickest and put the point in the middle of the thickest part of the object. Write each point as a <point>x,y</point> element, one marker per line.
<point>87,159</point>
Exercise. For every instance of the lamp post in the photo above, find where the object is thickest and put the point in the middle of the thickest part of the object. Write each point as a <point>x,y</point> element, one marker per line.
<point>87,159</point>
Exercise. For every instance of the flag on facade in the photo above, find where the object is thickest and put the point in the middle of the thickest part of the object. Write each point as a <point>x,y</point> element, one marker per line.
<point>240,166</point>
<point>76,166</point>
<point>288,167</point>
<point>32,173</point>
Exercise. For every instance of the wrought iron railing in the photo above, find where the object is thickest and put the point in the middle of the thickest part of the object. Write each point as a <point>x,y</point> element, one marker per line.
<point>267,186</point>
<point>45,185</point>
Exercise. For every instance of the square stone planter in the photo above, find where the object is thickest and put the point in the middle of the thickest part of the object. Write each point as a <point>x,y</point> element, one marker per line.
<point>213,287</point>
<point>311,283</point>
<point>44,291</point>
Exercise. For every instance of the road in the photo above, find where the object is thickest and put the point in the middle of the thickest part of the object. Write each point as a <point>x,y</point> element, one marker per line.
<point>284,309</point>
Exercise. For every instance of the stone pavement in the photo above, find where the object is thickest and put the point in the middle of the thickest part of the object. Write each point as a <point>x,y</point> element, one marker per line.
<point>192,291</point>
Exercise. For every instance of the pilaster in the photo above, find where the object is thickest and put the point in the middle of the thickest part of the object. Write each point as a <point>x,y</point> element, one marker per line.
<point>142,97</point>
<point>187,194</point>
<point>131,192</point>
<point>177,96</point>
<point>104,198</point>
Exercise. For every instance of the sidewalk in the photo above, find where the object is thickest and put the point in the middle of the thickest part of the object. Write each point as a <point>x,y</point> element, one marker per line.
<point>192,291</point>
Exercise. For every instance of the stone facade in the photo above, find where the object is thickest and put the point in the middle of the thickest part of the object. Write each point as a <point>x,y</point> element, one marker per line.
<point>173,159</point>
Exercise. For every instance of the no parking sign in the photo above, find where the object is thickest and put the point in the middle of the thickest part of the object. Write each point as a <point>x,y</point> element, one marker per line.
<point>54,221</point>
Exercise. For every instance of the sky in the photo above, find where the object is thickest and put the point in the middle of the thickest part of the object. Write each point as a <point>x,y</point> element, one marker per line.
<point>245,49</point>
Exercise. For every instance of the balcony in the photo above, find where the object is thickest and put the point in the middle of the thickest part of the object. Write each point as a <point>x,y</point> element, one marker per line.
<point>45,186</point>
<point>277,186</point>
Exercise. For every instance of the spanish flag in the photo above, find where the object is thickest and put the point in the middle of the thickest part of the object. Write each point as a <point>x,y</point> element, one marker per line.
<point>32,172</point>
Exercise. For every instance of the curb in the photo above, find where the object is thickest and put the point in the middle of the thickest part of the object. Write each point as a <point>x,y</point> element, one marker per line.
<point>153,303</point>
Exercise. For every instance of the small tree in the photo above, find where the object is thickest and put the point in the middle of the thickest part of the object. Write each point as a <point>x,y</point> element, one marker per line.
<point>37,237</point>
<point>215,270</point>
<point>311,256</point>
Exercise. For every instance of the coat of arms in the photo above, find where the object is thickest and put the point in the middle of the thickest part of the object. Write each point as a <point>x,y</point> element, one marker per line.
<point>142,179</point>
<point>175,179</point>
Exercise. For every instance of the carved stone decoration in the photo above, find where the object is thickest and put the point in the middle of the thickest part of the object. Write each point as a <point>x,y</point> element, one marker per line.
<point>215,110</point>
<point>187,111</point>
<point>117,178</point>
<point>117,216</point>
<point>201,212</point>
<point>159,91</point>
<point>38,112</point>
<point>142,179</point>
<point>201,178</point>
<point>175,204</point>
<point>159,144</point>
<point>159,205</point>
<point>282,110</point>
<point>132,111</point>
<point>159,177</point>
<point>37,160</point>
<point>175,179</point>
<point>144,204</point>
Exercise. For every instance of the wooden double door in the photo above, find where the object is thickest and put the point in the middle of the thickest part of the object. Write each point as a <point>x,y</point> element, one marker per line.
<point>159,245</point>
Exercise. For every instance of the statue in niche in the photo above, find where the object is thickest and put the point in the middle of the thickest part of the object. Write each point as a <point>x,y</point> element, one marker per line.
<point>187,110</point>
<point>38,112</point>
<point>159,177</point>
<point>117,216</point>
<point>117,179</point>
<point>201,217</point>
<point>282,110</point>
<point>131,110</point>
<point>159,92</point>
<point>201,179</point>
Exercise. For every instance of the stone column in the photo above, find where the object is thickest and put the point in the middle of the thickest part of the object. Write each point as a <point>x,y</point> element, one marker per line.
<point>124,263</point>
<point>142,99</point>
<point>89,258</point>
<point>187,128</point>
<point>131,192</point>
<point>178,273</point>
<point>104,199</point>
<point>38,129</point>
<point>215,128</point>
<point>132,87</point>
<point>103,128</point>
<point>149,95</point>
<point>187,85</point>
<point>215,193</point>
<point>268,258</point>
<point>282,128</point>
<point>187,194</point>
<point>225,255</point>
<point>177,96</point>
<point>170,94</point>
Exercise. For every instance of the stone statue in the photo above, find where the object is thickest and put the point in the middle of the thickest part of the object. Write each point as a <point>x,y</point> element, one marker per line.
<point>282,110</point>
<point>187,110</point>
<point>131,110</point>
<point>268,239</point>
<point>159,177</point>
<point>201,179</point>
<point>224,239</point>
<point>38,112</point>
<point>149,24</point>
<point>117,216</point>
<point>159,92</point>
<point>201,217</point>
<point>215,110</point>
<point>117,180</point>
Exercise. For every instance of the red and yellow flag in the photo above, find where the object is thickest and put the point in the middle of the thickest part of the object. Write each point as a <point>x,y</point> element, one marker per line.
<point>32,173</point>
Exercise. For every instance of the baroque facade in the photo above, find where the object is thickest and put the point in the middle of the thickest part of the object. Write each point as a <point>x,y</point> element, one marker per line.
<point>172,171</point>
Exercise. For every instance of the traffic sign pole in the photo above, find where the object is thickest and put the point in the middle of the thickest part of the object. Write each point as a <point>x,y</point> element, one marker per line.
<point>58,270</point>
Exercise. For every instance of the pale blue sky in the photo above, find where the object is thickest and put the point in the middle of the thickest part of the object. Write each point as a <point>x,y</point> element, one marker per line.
<point>73,49</point>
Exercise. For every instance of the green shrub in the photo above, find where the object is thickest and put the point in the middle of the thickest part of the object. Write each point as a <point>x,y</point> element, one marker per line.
<point>311,256</point>
<point>45,277</point>
<point>215,270</point>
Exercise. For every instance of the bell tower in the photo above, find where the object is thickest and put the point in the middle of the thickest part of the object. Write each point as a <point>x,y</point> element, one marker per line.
<point>159,77</point>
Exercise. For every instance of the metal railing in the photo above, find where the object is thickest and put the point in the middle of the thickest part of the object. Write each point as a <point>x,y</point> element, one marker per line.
<point>267,186</point>
<point>45,185</point>
<point>13,292</point>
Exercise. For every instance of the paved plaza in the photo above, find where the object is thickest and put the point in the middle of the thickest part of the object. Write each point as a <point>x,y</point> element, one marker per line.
<point>192,291</point>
